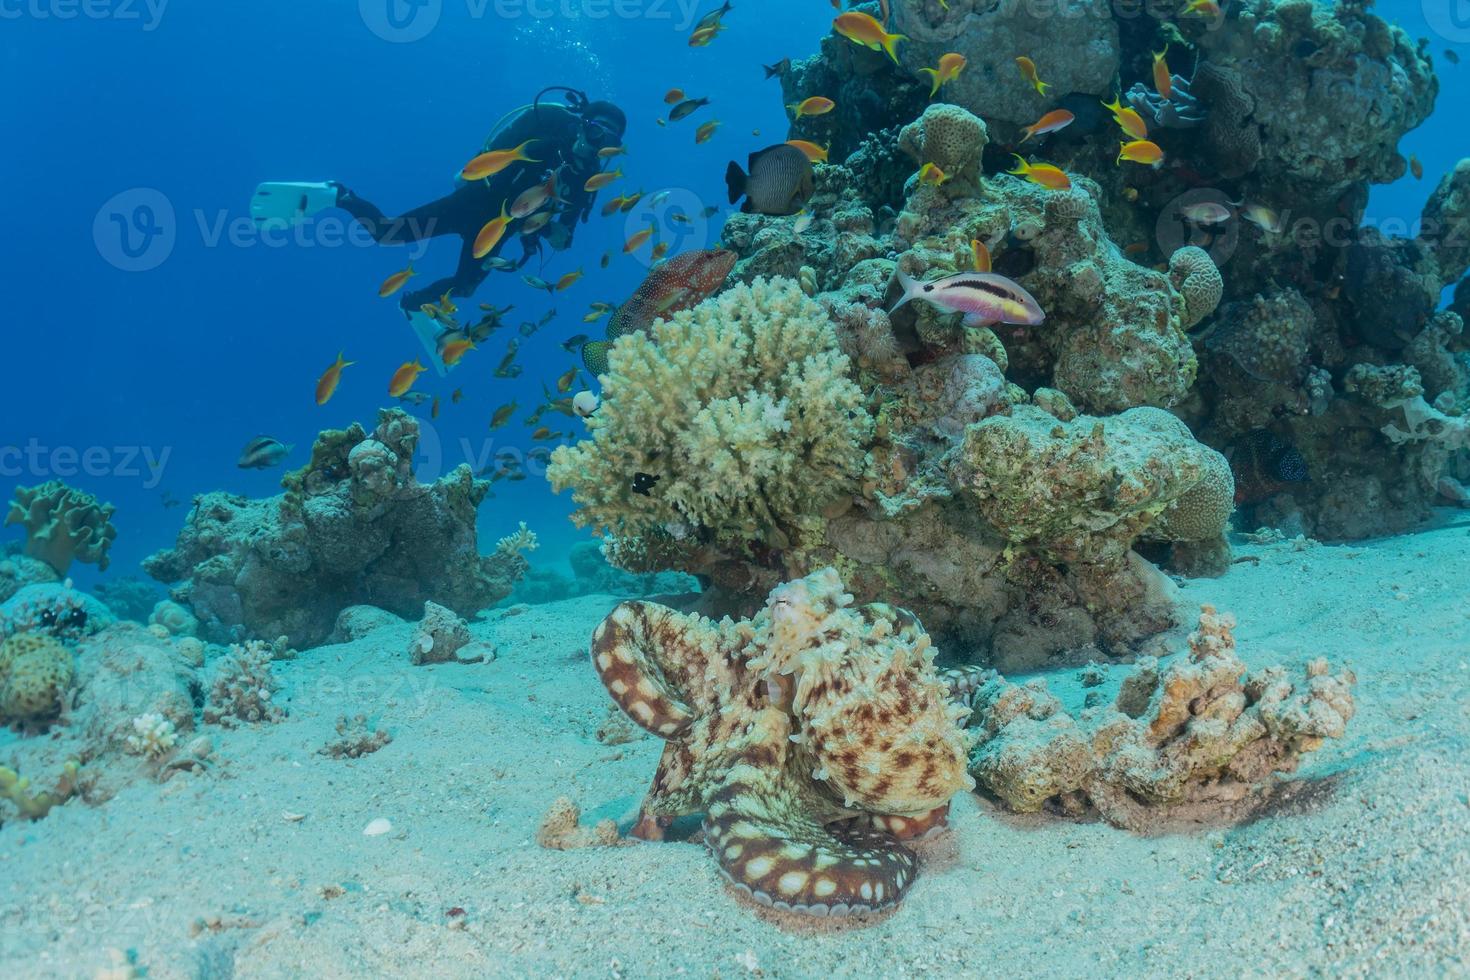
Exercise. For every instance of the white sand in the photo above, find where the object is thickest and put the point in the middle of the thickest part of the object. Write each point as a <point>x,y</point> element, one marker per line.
<point>1363,868</point>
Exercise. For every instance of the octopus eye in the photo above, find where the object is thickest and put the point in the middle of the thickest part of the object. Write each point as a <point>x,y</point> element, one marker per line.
<point>48,618</point>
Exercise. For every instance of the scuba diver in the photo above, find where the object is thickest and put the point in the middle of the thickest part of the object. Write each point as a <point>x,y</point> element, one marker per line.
<point>564,140</point>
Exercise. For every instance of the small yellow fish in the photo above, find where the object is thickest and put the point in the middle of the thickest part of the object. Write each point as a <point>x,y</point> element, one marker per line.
<point>566,281</point>
<point>637,239</point>
<point>817,105</point>
<point>492,162</point>
<point>502,415</point>
<point>704,35</point>
<point>1057,119</point>
<point>1163,81</point>
<point>1048,176</point>
<point>1127,118</point>
<point>1028,72</point>
<point>395,282</point>
<point>598,181</point>
<point>608,152</point>
<point>454,351</point>
<point>706,130</point>
<point>630,201</point>
<point>930,173</point>
<point>1415,167</point>
<point>447,305</point>
<point>864,29</point>
<point>490,235</point>
<point>404,378</point>
<point>592,316</point>
<point>950,66</point>
<point>1140,151</point>
<point>612,206</point>
<point>565,382</point>
<point>326,385</point>
<point>979,256</point>
<point>1263,218</point>
<point>659,251</point>
<point>814,153</point>
<point>542,433</point>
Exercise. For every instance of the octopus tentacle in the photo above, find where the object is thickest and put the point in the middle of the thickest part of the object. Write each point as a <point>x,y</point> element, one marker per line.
<point>916,826</point>
<point>963,682</point>
<point>633,657</point>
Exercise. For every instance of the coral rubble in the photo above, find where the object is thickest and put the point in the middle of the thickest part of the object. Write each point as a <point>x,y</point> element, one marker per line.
<point>354,527</point>
<point>814,738</point>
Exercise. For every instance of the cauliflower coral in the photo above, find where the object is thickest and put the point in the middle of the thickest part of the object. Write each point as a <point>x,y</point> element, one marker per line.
<point>723,423</point>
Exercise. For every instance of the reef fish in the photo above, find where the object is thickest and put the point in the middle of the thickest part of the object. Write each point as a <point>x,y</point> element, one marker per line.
<point>950,66</point>
<point>1141,151</point>
<point>864,29</point>
<point>1163,81</point>
<point>490,235</point>
<point>1264,464</point>
<point>1028,72</point>
<point>677,284</point>
<point>685,108</point>
<point>532,198</point>
<point>779,68</point>
<point>706,130</point>
<point>814,153</point>
<point>1127,118</point>
<point>326,385</point>
<point>492,162</point>
<point>598,181</point>
<point>930,173</point>
<point>1045,174</point>
<point>984,298</point>
<point>1054,121</point>
<point>779,181</point>
<point>395,282</point>
<point>673,96</point>
<point>404,378</point>
<point>263,452</point>
<point>817,105</point>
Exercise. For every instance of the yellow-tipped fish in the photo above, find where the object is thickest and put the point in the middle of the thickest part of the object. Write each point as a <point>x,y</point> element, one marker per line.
<point>930,174</point>
<point>979,255</point>
<point>491,234</point>
<point>454,351</point>
<point>864,29</point>
<point>1045,174</point>
<point>565,382</point>
<point>395,282</point>
<point>817,105</point>
<point>566,281</point>
<point>598,181</point>
<point>950,66</point>
<point>814,153</point>
<point>1127,118</point>
<point>503,415</point>
<point>326,386</point>
<point>1140,151</point>
<point>404,378</point>
<point>1057,119</point>
<point>1028,72</point>
<point>492,162</point>
<point>637,239</point>
<point>1163,81</point>
<point>706,130</point>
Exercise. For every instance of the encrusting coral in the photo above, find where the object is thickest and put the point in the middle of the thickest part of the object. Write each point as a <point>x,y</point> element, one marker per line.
<point>355,526</point>
<point>36,674</point>
<point>63,525</point>
<point>1202,731</point>
<point>729,423</point>
<point>814,738</point>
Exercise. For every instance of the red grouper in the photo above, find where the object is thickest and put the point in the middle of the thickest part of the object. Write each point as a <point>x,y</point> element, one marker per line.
<point>681,282</point>
<point>984,298</point>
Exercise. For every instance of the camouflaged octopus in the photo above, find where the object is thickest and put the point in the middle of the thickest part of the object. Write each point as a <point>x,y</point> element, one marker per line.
<point>815,739</point>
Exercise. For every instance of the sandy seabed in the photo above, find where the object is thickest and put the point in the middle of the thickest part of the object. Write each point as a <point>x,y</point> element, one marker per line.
<point>259,867</point>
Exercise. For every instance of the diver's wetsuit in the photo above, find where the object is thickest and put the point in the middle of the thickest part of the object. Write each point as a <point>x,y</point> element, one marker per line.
<point>555,129</point>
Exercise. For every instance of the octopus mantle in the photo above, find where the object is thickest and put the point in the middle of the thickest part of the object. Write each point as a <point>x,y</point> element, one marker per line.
<point>815,739</point>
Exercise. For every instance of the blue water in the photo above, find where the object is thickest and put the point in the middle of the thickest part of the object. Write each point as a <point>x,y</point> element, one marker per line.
<point>223,338</point>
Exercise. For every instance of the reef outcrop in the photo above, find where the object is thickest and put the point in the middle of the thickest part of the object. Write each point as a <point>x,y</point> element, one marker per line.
<point>815,738</point>
<point>354,527</point>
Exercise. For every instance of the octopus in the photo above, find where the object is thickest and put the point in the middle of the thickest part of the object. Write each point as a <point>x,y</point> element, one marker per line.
<point>817,739</point>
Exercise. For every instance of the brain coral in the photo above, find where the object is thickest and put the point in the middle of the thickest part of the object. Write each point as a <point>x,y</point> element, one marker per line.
<point>738,414</point>
<point>35,674</point>
<point>63,525</point>
<point>1198,280</point>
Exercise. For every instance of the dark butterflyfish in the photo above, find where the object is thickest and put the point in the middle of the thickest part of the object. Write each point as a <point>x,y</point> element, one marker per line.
<point>677,284</point>
<point>643,483</point>
<point>984,298</point>
<point>1265,464</point>
<point>779,181</point>
<point>263,452</point>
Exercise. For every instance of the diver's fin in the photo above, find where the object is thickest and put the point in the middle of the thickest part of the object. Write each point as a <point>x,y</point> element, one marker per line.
<point>428,330</point>
<point>286,203</point>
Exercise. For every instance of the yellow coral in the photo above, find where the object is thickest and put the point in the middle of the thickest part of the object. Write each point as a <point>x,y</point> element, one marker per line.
<point>740,409</point>
<point>35,674</point>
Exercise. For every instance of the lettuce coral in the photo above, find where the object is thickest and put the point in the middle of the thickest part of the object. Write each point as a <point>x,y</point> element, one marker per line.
<point>63,525</point>
<point>740,414</point>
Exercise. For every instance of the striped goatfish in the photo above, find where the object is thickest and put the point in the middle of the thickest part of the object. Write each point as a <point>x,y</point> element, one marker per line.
<point>983,297</point>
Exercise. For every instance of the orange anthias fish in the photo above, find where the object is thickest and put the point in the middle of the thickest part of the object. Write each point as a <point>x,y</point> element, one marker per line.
<point>659,251</point>
<point>979,255</point>
<point>930,173</point>
<point>630,201</point>
<point>706,130</point>
<point>1163,82</point>
<point>864,29</point>
<point>814,153</point>
<point>1200,8</point>
<point>1053,121</point>
<point>326,385</point>
<point>1127,118</point>
<point>454,351</point>
<point>608,152</point>
<point>395,282</point>
<point>950,66</point>
<point>404,378</point>
<point>1048,176</point>
<point>1028,72</point>
<point>598,181</point>
<point>490,163</point>
<point>637,239</point>
<point>673,96</point>
<point>613,205</point>
<point>490,235</point>
<point>566,281</point>
<point>1140,151</point>
<point>817,105</point>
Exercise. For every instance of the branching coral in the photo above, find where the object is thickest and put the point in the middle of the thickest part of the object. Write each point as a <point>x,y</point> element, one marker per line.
<point>813,738</point>
<point>243,688</point>
<point>63,525</point>
<point>730,422</point>
<point>1201,731</point>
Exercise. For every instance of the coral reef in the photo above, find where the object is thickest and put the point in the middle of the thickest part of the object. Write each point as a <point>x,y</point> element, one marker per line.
<point>813,738</point>
<point>1182,742</point>
<point>57,609</point>
<point>36,675</point>
<point>243,687</point>
<point>63,525</point>
<point>354,527</point>
<point>18,571</point>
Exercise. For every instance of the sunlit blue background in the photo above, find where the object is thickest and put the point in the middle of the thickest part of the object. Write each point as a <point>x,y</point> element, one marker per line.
<point>224,341</point>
